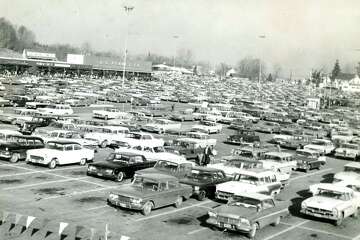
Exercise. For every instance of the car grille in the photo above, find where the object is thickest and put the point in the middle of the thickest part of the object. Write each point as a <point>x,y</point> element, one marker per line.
<point>123,199</point>
<point>36,158</point>
<point>222,194</point>
<point>319,211</point>
<point>227,220</point>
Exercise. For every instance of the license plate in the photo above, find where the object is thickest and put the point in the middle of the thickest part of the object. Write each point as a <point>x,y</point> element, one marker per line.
<point>226,225</point>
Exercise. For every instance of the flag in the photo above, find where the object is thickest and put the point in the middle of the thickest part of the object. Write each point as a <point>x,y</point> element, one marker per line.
<point>29,221</point>
<point>62,226</point>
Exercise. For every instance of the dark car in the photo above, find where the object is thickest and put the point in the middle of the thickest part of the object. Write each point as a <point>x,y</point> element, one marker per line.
<point>186,147</point>
<point>119,166</point>
<point>243,136</point>
<point>306,163</point>
<point>28,127</point>
<point>203,181</point>
<point>17,145</point>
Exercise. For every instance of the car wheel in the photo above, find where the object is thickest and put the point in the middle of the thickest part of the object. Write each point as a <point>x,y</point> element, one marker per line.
<point>277,221</point>
<point>178,202</point>
<point>52,164</point>
<point>253,230</point>
<point>104,144</point>
<point>14,157</point>
<point>119,176</point>
<point>147,208</point>
<point>202,195</point>
<point>307,168</point>
<point>339,221</point>
<point>106,117</point>
<point>83,161</point>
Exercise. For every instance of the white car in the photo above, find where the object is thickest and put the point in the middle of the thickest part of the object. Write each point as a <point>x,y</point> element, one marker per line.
<point>350,173</point>
<point>332,202</point>
<point>56,109</point>
<point>111,113</point>
<point>5,134</point>
<point>348,150</point>
<point>60,153</point>
<point>107,134</point>
<point>161,126</point>
<point>250,180</point>
<point>281,161</point>
<point>202,139</point>
<point>321,145</point>
<point>152,153</point>
<point>142,139</point>
<point>207,127</point>
<point>71,136</point>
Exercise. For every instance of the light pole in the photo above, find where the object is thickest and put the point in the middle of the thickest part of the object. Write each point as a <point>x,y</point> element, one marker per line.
<point>259,83</point>
<point>127,9</point>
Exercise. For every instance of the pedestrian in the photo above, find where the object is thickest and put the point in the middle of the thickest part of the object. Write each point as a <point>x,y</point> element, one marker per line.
<point>207,154</point>
<point>173,107</point>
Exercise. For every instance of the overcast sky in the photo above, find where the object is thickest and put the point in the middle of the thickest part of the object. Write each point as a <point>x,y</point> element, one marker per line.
<point>300,34</point>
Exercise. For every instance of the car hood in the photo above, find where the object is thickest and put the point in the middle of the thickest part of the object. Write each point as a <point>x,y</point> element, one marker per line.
<point>236,212</point>
<point>131,191</point>
<point>322,202</point>
<point>347,176</point>
<point>194,181</point>
<point>43,152</point>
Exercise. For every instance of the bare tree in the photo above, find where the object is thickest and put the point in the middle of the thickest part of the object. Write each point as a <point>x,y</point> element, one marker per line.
<point>249,67</point>
<point>221,69</point>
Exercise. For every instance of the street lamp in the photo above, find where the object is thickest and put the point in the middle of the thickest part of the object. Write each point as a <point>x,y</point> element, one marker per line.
<point>127,9</point>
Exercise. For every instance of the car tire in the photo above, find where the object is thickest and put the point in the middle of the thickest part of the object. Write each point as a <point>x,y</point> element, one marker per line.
<point>252,233</point>
<point>178,202</point>
<point>120,177</point>
<point>146,210</point>
<point>104,144</point>
<point>83,161</point>
<point>14,157</point>
<point>202,195</point>
<point>52,164</point>
<point>277,221</point>
<point>307,168</point>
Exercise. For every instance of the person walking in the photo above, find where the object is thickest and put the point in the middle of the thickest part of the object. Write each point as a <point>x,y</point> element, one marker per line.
<point>207,154</point>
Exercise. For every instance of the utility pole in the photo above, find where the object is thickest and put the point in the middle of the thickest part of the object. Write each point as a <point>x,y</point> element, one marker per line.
<point>259,83</point>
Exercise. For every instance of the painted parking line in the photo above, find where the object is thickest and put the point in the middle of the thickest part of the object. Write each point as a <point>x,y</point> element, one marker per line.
<point>38,171</point>
<point>78,193</point>
<point>78,179</point>
<point>286,230</point>
<point>12,164</point>
<point>310,174</point>
<point>357,237</point>
<point>173,211</point>
<point>320,231</point>
<point>42,183</point>
<point>197,231</point>
<point>99,207</point>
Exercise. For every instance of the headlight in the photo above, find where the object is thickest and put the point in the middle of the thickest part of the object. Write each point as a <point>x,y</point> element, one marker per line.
<point>335,211</point>
<point>108,171</point>
<point>7,149</point>
<point>244,221</point>
<point>212,214</point>
<point>136,200</point>
<point>91,168</point>
<point>196,188</point>
<point>113,196</point>
<point>303,205</point>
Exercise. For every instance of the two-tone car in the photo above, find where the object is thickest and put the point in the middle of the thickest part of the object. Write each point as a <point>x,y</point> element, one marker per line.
<point>15,148</point>
<point>150,191</point>
<point>119,166</point>
<point>247,213</point>
<point>348,150</point>
<point>60,153</point>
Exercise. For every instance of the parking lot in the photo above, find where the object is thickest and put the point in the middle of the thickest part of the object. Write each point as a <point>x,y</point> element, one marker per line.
<point>67,194</point>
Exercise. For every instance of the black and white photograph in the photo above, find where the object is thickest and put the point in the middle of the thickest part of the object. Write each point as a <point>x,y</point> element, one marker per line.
<point>179,120</point>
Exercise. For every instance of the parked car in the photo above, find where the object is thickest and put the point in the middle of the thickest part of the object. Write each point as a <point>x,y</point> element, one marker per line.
<point>17,145</point>
<point>150,191</point>
<point>306,164</point>
<point>56,109</point>
<point>243,136</point>
<point>111,113</point>
<point>321,145</point>
<point>161,126</point>
<point>188,148</point>
<point>267,127</point>
<point>107,134</point>
<point>203,180</point>
<point>185,115</point>
<point>350,173</point>
<point>139,139</point>
<point>247,213</point>
<point>332,202</point>
<point>177,168</point>
<point>251,180</point>
<point>203,139</point>
<point>207,127</point>
<point>60,153</point>
<point>119,166</point>
<point>348,150</point>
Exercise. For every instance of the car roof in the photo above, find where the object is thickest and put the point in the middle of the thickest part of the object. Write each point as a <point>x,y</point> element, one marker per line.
<point>254,195</point>
<point>336,188</point>
<point>128,153</point>
<point>177,161</point>
<point>207,169</point>
<point>158,176</point>
<point>280,154</point>
<point>9,132</point>
<point>353,164</point>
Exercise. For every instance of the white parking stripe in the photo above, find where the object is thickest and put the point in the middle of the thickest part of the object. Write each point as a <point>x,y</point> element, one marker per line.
<point>42,183</point>
<point>38,171</point>
<point>78,193</point>
<point>95,208</point>
<point>357,237</point>
<point>310,174</point>
<point>173,211</point>
<point>12,164</point>
<point>286,230</point>
<point>196,231</point>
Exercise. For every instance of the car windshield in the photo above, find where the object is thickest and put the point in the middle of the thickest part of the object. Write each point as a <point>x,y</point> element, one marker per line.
<point>351,169</point>
<point>304,153</point>
<point>350,146</point>
<point>247,179</point>
<point>243,153</point>
<point>117,157</point>
<point>201,175</point>
<point>166,165</point>
<point>331,194</point>
<point>159,149</point>
<point>55,146</point>
<point>319,142</point>
<point>145,183</point>
<point>244,202</point>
